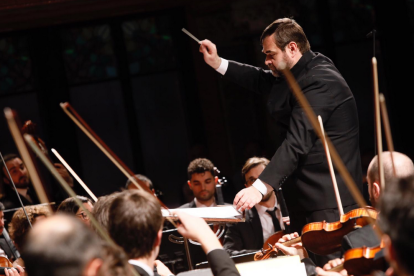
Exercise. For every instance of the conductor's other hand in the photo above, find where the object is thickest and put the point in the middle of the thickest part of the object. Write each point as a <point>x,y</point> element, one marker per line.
<point>247,198</point>
<point>209,51</point>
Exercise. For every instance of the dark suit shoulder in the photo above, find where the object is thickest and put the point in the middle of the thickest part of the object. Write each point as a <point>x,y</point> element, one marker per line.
<point>221,264</point>
<point>364,236</point>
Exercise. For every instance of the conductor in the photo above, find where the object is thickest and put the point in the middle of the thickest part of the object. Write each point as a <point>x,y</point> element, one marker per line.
<point>299,164</point>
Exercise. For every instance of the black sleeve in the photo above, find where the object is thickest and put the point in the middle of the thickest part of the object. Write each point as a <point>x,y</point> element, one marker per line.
<point>221,264</point>
<point>232,240</point>
<point>300,137</point>
<point>309,266</point>
<point>252,78</point>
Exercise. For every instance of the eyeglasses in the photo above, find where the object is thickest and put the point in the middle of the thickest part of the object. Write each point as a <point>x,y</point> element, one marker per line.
<point>83,216</point>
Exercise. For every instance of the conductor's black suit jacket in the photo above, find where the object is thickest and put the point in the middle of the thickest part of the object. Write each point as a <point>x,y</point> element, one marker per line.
<point>244,237</point>
<point>300,161</point>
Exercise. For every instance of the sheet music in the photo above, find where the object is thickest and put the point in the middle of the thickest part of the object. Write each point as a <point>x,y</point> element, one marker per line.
<point>221,212</point>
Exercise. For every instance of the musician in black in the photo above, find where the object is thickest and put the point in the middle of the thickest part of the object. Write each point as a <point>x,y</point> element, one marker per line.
<point>263,220</point>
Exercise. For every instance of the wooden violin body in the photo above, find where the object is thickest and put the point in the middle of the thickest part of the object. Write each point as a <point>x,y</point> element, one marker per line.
<point>324,238</point>
<point>268,250</point>
<point>361,261</point>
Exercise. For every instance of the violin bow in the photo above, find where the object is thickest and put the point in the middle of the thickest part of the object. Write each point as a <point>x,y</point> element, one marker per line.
<point>378,122</point>
<point>49,165</point>
<point>75,175</point>
<point>77,119</point>
<point>387,130</point>
<point>349,182</point>
<point>27,158</point>
<point>331,169</point>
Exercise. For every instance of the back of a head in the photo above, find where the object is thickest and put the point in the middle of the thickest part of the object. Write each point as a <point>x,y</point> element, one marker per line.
<point>284,31</point>
<point>404,168</point>
<point>134,221</point>
<point>60,245</point>
<point>101,209</point>
<point>397,220</point>
<point>70,206</point>
<point>19,225</point>
<point>200,165</point>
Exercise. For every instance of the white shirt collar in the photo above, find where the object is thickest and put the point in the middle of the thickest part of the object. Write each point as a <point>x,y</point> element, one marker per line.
<point>22,192</point>
<point>262,209</point>
<point>199,205</point>
<point>143,266</point>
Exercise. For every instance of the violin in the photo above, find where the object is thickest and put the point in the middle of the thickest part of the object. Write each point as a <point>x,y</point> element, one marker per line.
<point>4,263</point>
<point>361,261</point>
<point>324,238</point>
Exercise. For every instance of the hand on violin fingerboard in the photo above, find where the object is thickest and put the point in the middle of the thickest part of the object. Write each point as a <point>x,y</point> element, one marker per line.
<point>294,249</point>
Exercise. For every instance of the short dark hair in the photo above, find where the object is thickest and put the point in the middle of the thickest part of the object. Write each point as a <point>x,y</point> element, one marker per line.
<point>101,209</point>
<point>397,219</point>
<point>61,251</point>
<point>70,206</point>
<point>284,31</point>
<point>134,221</point>
<point>200,165</point>
<point>252,163</point>
<point>142,178</point>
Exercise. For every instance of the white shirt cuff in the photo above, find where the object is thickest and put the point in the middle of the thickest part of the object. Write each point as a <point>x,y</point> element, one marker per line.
<point>223,66</point>
<point>259,185</point>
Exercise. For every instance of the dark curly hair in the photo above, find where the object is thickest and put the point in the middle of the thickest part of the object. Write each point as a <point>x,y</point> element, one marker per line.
<point>200,165</point>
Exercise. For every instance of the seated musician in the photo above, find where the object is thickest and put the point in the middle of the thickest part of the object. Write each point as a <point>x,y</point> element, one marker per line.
<point>397,223</point>
<point>21,179</point>
<point>131,186</point>
<point>202,183</point>
<point>365,236</point>
<point>62,245</point>
<point>262,220</point>
<point>5,250</point>
<point>19,225</point>
<point>69,206</point>
<point>135,224</point>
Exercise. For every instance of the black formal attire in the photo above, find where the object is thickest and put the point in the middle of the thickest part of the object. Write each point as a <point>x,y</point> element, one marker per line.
<point>190,204</point>
<point>300,163</point>
<point>244,237</point>
<point>6,248</point>
<point>10,200</point>
<point>364,236</point>
<point>221,264</point>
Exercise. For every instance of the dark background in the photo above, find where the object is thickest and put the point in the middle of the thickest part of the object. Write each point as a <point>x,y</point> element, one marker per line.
<point>144,88</point>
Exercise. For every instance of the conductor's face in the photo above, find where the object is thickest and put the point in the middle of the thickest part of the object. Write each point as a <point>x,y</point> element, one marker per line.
<point>203,186</point>
<point>275,55</point>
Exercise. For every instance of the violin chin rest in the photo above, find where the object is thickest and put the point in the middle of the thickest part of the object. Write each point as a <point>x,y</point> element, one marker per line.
<point>357,226</point>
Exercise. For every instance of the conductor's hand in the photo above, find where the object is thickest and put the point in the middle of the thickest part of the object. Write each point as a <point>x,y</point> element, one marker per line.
<point>247,198</point>
<point>209,51</point>
<point>196,228</point>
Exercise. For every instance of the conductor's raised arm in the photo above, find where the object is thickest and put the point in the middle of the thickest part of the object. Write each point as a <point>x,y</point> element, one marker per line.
<point>209,51</point>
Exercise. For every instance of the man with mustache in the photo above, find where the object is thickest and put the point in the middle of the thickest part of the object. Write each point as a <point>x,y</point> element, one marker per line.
<point>299,163</point>
<point>21,179</point>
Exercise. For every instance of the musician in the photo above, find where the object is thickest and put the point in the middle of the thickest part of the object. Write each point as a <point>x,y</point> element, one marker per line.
<point>404,167</point>
<point>21,179</point>
<point>259,226</point>
<point>19,225</point>
<point>101,209</point>
<point>131,186</point>
<point>133,212</point>
<point>397,223</point>
<point>69,206</point>
<point>62,245</point>
<point>6,247</point>
<point>202,183</point>
<point>299,163</point>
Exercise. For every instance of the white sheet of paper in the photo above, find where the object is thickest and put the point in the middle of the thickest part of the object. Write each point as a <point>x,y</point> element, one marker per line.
<point>287,265</point>
<point>222,212</point>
